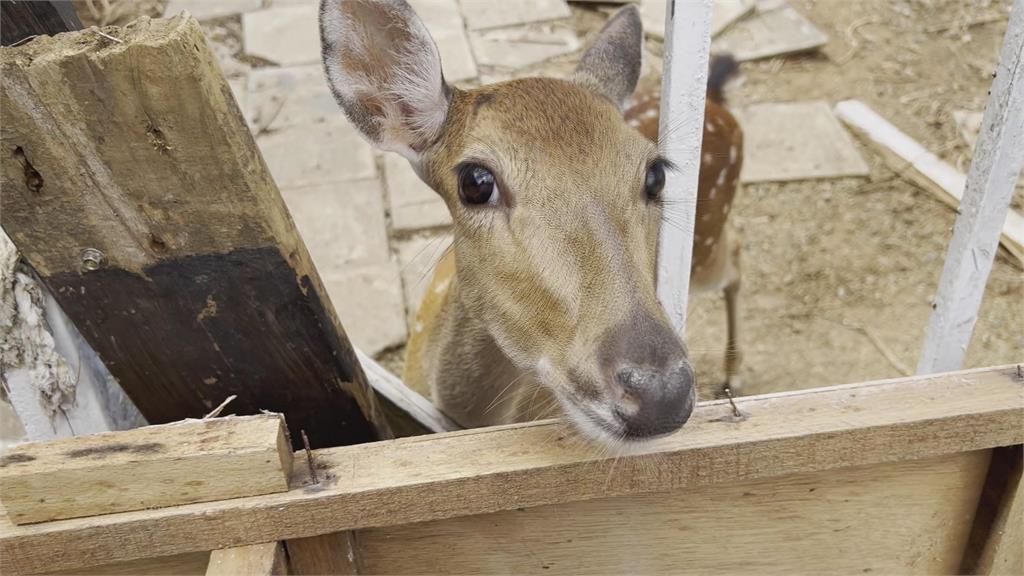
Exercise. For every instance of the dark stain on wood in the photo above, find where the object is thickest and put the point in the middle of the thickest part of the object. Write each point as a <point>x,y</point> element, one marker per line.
<point>15,459</point>
<point>116,448</point>
<point>239,323</point>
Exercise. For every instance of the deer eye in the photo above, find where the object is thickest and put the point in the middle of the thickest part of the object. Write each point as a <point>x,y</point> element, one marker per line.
<point>477,186</point>
<point>654,182</point>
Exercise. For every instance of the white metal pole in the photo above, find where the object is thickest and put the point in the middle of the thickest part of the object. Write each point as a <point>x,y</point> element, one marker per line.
<point>995,169</point>
<point>684,84</point>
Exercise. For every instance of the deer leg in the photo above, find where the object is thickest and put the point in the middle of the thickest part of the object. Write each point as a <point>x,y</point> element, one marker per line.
<point>733,352</point>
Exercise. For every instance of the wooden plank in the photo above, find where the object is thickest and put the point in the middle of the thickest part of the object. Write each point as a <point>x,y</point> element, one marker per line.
<point>149,467</point>
<point>997,540</point>
<point>410,402</point>
<point>897,518</point>
<point>328,554</point>
<point>21,20</point>
<point>167,243</point>
<point>905,156</point>
<point>470,472</point>
<point>255,559</point>
<point>189,564</point>
<point>991,181</point>
<point>683,91</point>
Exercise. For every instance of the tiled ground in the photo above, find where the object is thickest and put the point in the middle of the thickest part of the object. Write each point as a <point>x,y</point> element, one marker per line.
<point>373,229</point>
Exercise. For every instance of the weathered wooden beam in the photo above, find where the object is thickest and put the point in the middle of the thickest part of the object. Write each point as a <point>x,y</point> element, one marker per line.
<point>892,518</point>
<point>149,467</point>
<point>328,554</point>
<point>481,471</point>
<point>21,19</point>
<point>997,539</point>
<point>134,188</point>
<point>253,560</point>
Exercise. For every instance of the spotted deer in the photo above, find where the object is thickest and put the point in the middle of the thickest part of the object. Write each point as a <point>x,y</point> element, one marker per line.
<point>546,303</point>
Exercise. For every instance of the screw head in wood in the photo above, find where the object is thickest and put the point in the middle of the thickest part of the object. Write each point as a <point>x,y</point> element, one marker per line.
<point>92,259</point>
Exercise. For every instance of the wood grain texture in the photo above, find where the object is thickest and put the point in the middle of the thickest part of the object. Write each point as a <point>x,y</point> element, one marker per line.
<point>253,560</point>
<point>204,288</point>
<point>188,564</point>
<point>1002,551</point>
<point>149,467</point>
<point>327,554</point>
<point>489,470</point>
<point>898,518</point>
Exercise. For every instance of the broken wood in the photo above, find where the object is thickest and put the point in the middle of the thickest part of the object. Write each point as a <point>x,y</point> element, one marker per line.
<point>482,471</point>
<point>255,560</point>
<point>149,467</point>
<point>908,158</point>
<point>146,208</point>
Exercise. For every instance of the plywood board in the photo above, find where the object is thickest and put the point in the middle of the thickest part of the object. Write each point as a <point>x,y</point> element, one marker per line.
<point>796,141</point>
<point>490,470</point>
<point>777,32</point>
<point>149,467</point>
<point>901,518</point>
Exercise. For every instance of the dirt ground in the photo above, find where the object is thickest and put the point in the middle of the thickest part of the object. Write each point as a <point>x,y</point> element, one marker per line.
<point>836,271</point>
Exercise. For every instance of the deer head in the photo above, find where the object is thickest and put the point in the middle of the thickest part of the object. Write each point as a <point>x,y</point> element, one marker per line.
<point>556,204</point>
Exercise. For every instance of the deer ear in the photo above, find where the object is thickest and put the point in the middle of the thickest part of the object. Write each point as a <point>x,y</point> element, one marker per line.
<point>611,66</point>
<point>385,72</point>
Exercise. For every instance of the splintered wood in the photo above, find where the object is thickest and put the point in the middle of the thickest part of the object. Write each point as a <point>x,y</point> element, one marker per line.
<point>150,467</point>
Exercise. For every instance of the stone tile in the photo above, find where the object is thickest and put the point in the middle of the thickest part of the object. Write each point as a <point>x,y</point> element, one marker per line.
<point>417,257</point>
<point>774,32</point>
<point>481,14</point>
<point>444,21</point>
<point>414,205</point>
<point>322,154</point>
<point>209,9</point>
<point>368,300</point>
<point>796,141</point>
<point>723,14</point>
<point>286,35</point>
<point>290,96</point>
<point>523,45</point>
<point>341,224</point>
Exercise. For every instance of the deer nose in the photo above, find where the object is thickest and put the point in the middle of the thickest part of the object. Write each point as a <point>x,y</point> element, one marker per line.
<point>652,402</point>
<point>649,380</point>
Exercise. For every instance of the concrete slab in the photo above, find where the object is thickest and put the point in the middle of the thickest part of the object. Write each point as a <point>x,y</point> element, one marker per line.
<point>210,9</point>
<point>417,258</point>
<point>368,299</point>
<point>796,141</point>
<point>342,224</point>
<point>327,153</point>
<point>724,13</point>
<point>290,96</point>
<point>482,14</point>
<point>522,46</point>
<point>285,35</point>
<point>445,23</point>
<point>775,32</point>
<point>414,206</point>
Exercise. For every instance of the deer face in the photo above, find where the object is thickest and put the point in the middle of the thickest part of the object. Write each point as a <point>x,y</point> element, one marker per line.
<point>556,205</point>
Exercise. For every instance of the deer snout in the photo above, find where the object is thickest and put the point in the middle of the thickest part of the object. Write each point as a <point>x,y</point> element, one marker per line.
<point>652,402</point>
<point>650,383</point>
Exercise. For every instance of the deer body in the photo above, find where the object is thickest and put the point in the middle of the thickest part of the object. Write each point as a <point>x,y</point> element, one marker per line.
<point>547,300</point>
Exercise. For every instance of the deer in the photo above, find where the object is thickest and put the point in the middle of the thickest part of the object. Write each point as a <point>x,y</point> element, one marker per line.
<point>545,304</point>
